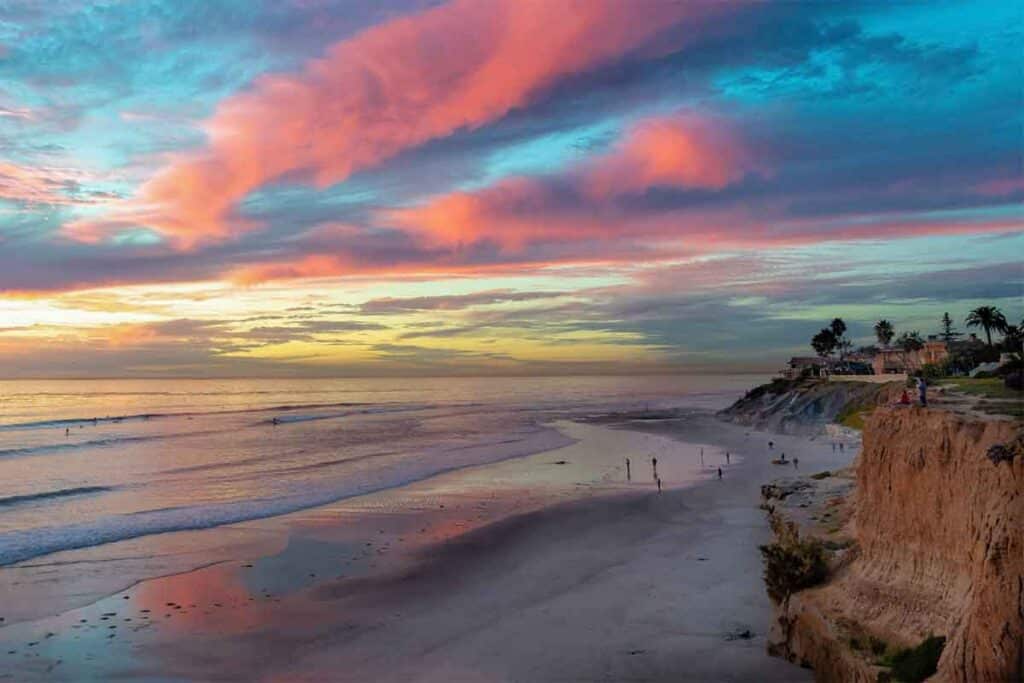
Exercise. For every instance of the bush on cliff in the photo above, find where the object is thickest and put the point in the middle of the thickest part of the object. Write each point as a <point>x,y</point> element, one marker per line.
<point>915,664</point>
<point>1014,380</point>
<point>792,565</point>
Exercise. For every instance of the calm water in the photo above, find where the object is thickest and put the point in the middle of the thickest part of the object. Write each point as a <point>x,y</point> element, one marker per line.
<point>86,462</point>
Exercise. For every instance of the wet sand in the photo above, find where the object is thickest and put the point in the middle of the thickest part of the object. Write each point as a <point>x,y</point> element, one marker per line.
<point>546,568</point>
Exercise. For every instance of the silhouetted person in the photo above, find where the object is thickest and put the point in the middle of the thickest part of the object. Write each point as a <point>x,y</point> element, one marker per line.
<point>922,391</point>
<point>654,466</point>
<point>719,472</point>
<point>629,475</point>
<point>659,484</point>
<point>771,445</point>
<point>842,447</point>
<point>67,431</point>
<point>727,457</point>
<point>796,463</point>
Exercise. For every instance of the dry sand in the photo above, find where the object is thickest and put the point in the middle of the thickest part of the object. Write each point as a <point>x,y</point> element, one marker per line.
<point>545,568</point>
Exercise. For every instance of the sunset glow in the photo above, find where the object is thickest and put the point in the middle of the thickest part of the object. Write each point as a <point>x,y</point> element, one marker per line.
<point>411,187</point>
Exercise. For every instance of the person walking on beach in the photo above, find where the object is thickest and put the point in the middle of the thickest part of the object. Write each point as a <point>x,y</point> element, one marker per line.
<point>796,463</point>
<point>922,391</point>
<point>659,484</point>
<point>719,472</point>
<point>727,457</point>
<point>629,475</point>
<point>654,466</point>
<point>771,445</point>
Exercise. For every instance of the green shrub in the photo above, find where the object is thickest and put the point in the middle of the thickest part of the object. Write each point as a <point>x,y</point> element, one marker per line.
<point>915,664</point>
<point>792,566</point>
<point>934,371</point>
<point>1014,380</point>
<point>822,475</point>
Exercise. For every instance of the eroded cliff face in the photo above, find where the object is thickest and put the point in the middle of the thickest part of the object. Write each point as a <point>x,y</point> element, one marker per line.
<point>806,406</point>
<point>937,524</point>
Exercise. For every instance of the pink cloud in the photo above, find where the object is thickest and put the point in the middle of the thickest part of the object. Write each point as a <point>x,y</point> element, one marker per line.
<point>393,87</point>
<point>37,185</point>
<point>681,151</point>
<point>677,151</point>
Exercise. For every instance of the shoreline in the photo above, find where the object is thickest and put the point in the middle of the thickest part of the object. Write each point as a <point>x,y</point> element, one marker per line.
<point>474,558</point>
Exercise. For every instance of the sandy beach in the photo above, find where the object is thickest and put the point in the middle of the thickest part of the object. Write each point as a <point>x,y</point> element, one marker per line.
<point>550,567</point>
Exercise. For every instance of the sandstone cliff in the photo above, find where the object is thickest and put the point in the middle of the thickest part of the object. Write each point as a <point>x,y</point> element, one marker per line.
<point>935,536</point>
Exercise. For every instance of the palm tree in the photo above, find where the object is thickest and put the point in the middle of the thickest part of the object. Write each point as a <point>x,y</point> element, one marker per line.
<point>884,332</point>
<point>987,318</point>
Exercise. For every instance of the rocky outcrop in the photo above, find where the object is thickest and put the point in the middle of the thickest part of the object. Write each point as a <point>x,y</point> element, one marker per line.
<point>937,527</point>
<point>806,406</point>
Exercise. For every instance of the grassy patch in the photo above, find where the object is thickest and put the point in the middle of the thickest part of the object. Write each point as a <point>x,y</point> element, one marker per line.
<point>822,475</point>
<point>779,385</point>
<point>852,416</point>
<point>986,388</point>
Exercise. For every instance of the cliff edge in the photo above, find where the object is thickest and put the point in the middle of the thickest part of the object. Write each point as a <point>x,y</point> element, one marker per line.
<point>929,543</point>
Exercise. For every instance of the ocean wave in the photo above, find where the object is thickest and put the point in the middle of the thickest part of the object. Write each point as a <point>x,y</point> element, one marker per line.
<point>380,410</point>
<point>24,544</point>
<point>117,419</point>
<point>95,443</point>
<point>10,501</point>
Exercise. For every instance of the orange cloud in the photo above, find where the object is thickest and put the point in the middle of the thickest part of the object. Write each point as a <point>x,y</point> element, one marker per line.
<point>390,88</point>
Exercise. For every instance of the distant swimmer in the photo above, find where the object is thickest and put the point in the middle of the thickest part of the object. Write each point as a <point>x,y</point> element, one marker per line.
<point>719,472</point>
<point>629,474</point>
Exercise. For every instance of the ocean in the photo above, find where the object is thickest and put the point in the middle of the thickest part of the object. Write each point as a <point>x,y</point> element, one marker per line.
<point>85,463</point>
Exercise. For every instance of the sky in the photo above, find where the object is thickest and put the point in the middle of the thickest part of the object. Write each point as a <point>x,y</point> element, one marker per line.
<point>406,187</point>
